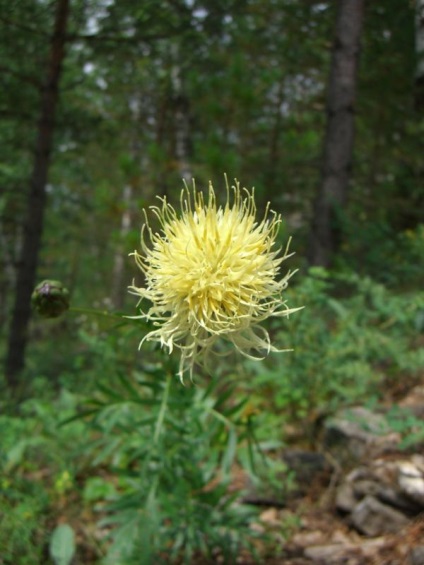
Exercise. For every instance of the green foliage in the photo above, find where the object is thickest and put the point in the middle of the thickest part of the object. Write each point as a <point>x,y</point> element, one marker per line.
<point>38,464</point>
<point>352,337</point>
<point>98,488</point>
<point>155,460</point>
<point>172,449</point>
<point>408,425</point>
<point>24,507</point>
<point>394,258</point>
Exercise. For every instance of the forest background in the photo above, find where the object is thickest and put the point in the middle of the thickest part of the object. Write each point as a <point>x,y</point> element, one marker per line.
<point>106,105</point>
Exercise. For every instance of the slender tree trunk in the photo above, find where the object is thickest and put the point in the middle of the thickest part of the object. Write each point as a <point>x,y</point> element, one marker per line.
<point>182,131</point>
<point>33,226</point>
<point>274,150</point>
<point>120,258</point>
<point>338,142</point>
<point>419,48</point>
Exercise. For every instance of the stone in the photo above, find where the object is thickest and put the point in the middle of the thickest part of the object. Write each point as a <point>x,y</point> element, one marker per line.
<point>391,496</point>
<point>373,518</point>
<point>416,556</point>
<point>411,482</point>
<point>307,539</point>
<point>344,552</point>
<point>361,473</point>
<point>306,464</point>
<point>365,487</point>
<point>345,497</point>
<point>270,516</point>
<point>340,537</point>
<point>327,553</point>
<point>384,471</point>
<point>418,461</point>
<point>362,482</point>
<point>357,433</point>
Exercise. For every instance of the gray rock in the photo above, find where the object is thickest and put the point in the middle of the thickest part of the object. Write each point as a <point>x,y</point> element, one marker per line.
<point>418,461</point>
<point>392,497</point>
<point>365,487</point>
<point>345,497</point>
<point>354,488</point>
<point>416,556</point>
<point>307,466</point>
<point>358,432</point>
<point>373,518</point>
<point>411,482</point>
<point>328,553</point>
<point>344,552</point>
<point>364,421</point>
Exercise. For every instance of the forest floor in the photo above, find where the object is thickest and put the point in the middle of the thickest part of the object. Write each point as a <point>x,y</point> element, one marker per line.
<point>304,524</point>
<point>308,528</point>
<point>316,532</point>
<point>324,536</point>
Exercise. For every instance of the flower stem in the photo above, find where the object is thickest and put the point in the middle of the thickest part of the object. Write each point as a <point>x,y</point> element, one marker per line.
<point>94,312</point>
<point>163,406</point>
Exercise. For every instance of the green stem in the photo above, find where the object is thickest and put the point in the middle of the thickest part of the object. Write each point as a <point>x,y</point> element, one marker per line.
<point>163,406</point>
<point>92,311</point>
<point>222,418</point>
<point>158,431</point>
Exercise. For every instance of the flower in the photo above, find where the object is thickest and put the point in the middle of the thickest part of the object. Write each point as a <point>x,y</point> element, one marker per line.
<point>210,274</point>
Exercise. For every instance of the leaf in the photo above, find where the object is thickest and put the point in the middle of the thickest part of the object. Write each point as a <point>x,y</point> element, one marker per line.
<point>97,488</point>
<point>134,394</point>
<point>15,455</point>
<point>79,416</point>
<point>338,308</point>
<point>230,452</point>
<point>62,545</point>
<point>236,408</point>
<point>111,394</point>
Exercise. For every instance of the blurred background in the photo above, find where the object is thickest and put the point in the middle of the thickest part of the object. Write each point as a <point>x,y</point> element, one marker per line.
<point>105,105</point>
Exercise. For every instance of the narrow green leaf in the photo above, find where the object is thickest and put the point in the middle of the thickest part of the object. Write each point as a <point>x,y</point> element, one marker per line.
<point>134,394</point>
<point>230,452</point>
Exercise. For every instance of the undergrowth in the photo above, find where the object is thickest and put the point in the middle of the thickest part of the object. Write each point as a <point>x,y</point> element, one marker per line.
<point>142,469</point>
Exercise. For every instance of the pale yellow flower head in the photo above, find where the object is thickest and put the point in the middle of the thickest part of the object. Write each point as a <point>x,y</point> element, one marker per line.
<point>211,275</point>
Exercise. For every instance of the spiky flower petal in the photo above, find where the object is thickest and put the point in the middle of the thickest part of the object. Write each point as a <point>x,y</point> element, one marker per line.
<point>210,274</point>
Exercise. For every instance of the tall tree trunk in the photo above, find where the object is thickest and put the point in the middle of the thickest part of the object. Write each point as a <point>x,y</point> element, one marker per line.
<point>274,151</point>
<point>338,142</point>
<point>181,105</point>
<point>33,227</point>
<point>119,290</point>
<point>419,48</point>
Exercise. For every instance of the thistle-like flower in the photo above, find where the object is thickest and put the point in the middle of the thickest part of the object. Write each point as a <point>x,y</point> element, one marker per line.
<point>211,276</point>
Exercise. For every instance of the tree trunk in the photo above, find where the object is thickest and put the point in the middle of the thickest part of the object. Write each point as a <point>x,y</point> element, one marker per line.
<point>33,226</point>
<point>338,142</point>
<point>419,48</point>
<point>181,106</point>
<point>120,258</point>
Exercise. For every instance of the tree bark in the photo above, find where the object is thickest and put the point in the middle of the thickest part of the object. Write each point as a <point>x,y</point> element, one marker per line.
<point>419,48</point>
<point>181,106</point>
<point>338,142</point>
<point>120,258</point>
<point>33,226</point>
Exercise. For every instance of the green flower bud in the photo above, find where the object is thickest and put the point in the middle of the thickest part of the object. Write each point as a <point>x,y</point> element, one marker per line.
<point>50,299</point>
